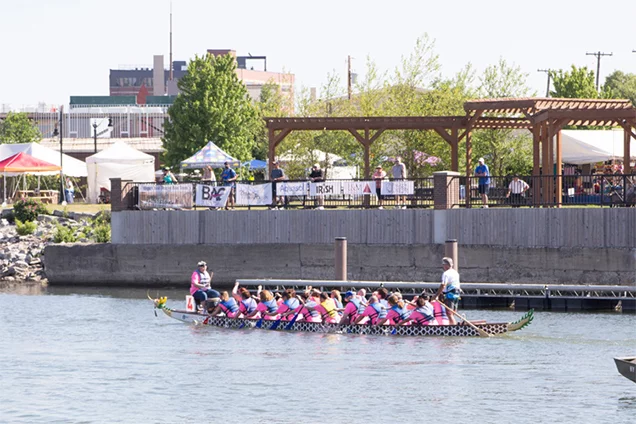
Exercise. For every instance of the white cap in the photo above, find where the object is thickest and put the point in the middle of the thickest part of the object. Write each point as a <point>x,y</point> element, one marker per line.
<point>481,160</point>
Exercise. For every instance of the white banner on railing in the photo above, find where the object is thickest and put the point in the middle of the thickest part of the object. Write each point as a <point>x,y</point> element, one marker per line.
<point>252,195</point>
<point>358,187</point>
<point>326,188</point>
<point>173,196</point>
<point>211,196</point>
<point>397,188</point>
<point>285,188</point>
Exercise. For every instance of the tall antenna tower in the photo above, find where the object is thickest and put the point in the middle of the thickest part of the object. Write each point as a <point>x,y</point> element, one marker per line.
<point>170,73</point>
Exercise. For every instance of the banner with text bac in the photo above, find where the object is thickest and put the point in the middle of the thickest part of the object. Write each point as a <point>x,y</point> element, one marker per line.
<point>211,196</point>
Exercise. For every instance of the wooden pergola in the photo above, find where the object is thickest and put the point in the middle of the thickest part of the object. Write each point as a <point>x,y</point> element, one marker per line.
<point>543,117</point>
<point>367,130</point>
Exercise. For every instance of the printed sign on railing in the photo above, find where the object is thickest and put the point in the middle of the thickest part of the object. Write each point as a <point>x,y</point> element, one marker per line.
<point>253,195</point>
<point>397,188</point>
<point>358,187</point>
<point>295,188</point>
<point>211,196</point>
<point>173,196</point>
<point>325,188</point>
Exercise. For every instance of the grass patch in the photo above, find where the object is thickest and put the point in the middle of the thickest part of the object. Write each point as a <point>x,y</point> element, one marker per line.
<point>79,207</point>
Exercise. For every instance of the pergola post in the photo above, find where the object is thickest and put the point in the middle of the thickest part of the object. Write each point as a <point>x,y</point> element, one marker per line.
<point>469,158</point>
<point>366,140</point>
<point>559,173</point>
<point>536,165</point>
<point>455,150</point>
<point>545,164</point>
<point>627,136</point>
<point>551,171</point>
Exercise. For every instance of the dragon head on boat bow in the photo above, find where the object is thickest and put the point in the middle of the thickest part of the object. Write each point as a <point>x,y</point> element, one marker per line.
<point>160,303</point>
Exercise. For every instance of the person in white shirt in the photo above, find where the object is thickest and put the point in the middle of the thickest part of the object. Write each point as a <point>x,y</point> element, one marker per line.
<point>399,173</point>
<point>450,288</point>
<point>516,191</point>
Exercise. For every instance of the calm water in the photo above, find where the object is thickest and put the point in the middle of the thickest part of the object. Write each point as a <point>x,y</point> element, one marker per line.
<point>68,355</point>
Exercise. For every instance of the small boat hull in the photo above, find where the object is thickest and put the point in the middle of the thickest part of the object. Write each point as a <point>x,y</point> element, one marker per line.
<point>627,367</point>
<point>459,330</point>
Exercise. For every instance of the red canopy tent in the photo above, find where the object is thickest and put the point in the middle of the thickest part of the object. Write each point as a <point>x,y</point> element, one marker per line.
<point>23,163</point>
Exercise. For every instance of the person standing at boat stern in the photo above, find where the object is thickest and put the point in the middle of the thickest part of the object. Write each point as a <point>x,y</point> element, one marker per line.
<point>450,288</point>
<point>200,285</point>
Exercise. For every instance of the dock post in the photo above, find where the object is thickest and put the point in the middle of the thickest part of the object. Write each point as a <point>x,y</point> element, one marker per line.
<point>450,251</point>
<point>341,258</point>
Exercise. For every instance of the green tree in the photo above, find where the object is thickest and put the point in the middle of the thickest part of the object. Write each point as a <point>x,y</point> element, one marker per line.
<point>271,104</point>
<point>620,85</point>
<point>577,83</point>
<point>213,105</point>
<point>17,128</point>
<point>506,151</point>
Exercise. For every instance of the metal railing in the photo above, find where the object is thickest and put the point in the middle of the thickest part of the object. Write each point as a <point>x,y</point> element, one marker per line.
<point>422,196</point>
<point>531,191</point>
<point>604,190</point>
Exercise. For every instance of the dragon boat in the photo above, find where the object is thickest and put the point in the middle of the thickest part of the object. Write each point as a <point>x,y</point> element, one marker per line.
<point>459,330</point>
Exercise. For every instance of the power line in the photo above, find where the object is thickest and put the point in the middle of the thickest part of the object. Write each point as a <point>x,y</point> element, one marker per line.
<point>549,72</point>
<point>598,64</point>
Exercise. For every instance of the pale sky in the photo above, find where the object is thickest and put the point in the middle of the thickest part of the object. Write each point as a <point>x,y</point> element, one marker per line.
<point>53,49</point>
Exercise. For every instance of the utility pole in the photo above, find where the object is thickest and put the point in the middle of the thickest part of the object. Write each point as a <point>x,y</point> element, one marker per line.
<point>598,64</point>
<point>549,72</point>
<point>349,76</point>
<point>170,73</point>
<point>95,135</point>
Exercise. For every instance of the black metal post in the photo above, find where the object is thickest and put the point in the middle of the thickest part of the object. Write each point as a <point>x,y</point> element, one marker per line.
<point>95,135</point>
<point>62,198</point>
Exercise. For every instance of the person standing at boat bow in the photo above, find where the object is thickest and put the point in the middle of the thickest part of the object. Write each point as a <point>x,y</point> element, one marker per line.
<point>200,285</point>
<point>450,288</point>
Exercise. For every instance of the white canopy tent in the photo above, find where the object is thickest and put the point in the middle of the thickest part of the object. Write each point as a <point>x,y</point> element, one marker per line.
<point>70,166</point>
<point>118,161</point>
<point>589,146</point>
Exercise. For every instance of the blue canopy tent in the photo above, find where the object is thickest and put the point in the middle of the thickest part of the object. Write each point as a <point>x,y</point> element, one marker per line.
<point>210,155</point>
<point>255,164</point>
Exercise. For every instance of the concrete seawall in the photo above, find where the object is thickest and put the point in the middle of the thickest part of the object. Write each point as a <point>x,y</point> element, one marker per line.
<point>540,228</point>
<point>163,264</point>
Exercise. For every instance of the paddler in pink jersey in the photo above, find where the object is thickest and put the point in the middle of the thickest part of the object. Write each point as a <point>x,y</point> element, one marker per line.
<point>423,314</point>
<point>267,306</point>
<point>308,307</point>
<point>353,307</point>
<point>287,308</point>
<point>375,311</point>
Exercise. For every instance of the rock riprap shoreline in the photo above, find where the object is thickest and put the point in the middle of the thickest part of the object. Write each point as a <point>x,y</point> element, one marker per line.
<point>22,256</point>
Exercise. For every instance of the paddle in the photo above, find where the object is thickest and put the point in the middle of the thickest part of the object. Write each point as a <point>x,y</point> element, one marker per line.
<point>479,330</point>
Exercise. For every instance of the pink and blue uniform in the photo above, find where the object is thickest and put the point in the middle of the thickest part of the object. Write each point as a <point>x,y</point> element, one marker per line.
<point>268,306</point>
<point>424,315</point>
<point>395,315</point>
<point>230,307</point>
<point>375,312</point>
<point>247,306</point>
<point>286,306</point>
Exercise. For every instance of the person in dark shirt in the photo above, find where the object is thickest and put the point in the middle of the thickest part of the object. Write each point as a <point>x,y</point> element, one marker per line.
<point>317,175</point>
<point>276,175</point>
